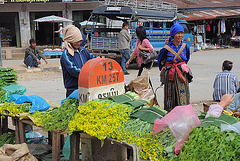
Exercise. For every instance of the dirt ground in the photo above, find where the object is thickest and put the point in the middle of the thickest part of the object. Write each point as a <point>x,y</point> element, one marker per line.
<point>43,76</point>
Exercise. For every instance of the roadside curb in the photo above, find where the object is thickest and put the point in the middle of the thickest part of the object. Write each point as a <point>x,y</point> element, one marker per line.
<point>20,71</point>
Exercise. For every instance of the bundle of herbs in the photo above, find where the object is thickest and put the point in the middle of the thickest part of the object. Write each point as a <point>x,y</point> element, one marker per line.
<point>209,143</point>
<point>57,118</point>
<point>7,76</point>
<point>8,138</point>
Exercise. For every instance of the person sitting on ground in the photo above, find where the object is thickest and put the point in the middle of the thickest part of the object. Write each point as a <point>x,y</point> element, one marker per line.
<point>225,82</point>
<point>32,55</point>
<point>73,58</point>
<point>84,40</point>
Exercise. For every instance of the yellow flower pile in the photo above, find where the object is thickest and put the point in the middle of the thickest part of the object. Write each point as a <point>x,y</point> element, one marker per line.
<point>38,117</point>
<point>230,113</point>
<point>13,109</point>
<point>107,119</point>
<point>151,146</point>
<point>100,119</point>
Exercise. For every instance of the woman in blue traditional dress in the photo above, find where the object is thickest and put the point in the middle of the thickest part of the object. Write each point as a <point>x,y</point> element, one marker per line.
<point>175,74</point>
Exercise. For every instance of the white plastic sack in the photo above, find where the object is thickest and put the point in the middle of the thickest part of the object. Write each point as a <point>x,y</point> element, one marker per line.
<point>17,152</point>
<point>234,127</point>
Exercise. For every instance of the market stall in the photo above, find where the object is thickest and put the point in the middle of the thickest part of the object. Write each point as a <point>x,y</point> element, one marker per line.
<point>235,41</point>
<point>53,19</point>
<point>115,124</point>
<point>52,52</point>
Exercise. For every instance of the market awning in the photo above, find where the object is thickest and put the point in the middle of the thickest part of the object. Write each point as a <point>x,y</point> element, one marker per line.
<point>211,14</point>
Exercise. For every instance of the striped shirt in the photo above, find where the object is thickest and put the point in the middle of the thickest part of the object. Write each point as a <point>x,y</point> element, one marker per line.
<point>225,83</point>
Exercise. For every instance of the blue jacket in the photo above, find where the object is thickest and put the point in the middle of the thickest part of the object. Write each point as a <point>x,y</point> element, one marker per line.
<point>165,54</point>
<point>72,65</point>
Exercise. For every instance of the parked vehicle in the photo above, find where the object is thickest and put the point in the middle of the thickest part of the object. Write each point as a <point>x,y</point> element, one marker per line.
<point>104,39</point>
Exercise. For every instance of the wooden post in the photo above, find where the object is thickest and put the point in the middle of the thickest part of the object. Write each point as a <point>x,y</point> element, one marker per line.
<point>86,145</point>
<point>62,141</point>
<point>56,146</point>
<point>5,124</point>
<point>22,136</point>
<point>74,146</point>
<point>17,131</point>
<point>49,138</point>
<point>1,125</point>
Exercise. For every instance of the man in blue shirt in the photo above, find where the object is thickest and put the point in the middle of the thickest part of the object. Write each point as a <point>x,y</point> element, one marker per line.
<point>225,82</point>
<point>73,58</point>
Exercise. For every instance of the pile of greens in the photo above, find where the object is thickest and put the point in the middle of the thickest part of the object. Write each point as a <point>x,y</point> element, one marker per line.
<point>142,121</point>
<point>209,143</point>
<point>8,138</point>
<point>7,76</point>
<point>59,117</point>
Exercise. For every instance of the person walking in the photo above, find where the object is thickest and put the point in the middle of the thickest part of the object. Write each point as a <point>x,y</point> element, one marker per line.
<point>141,44</point>
<point>60,31</point>
<point>225,82</point>
<point>175,74</point>
<point>73,58</point>
<point>33,55</point>
<point>124,45</point>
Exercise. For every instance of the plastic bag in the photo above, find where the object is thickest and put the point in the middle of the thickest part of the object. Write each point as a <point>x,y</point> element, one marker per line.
<point>13,89</point>
<point>181,120</point>
<point>66,148</point>
<point>38,103</point>
<point>142,87</point>
<point>74,94</point>
<point>234,127</point>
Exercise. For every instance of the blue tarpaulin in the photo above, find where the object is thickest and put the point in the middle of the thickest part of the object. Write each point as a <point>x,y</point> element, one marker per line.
<point>38,103</point>
<point>75,94</point>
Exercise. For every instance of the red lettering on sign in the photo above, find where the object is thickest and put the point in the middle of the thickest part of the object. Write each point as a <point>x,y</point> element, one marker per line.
<point>100,72</point>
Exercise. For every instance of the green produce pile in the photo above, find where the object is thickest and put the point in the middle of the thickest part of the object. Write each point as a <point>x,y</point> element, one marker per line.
<point>7,76</point>
<point>209,143</point>
<point>8,138</point>
<point>57,118</point>
<point>13,109</point>
<point>164,138</point>
<point>126,120</point>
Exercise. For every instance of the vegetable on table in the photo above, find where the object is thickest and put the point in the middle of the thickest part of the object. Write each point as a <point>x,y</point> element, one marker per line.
<point>209,143</point>
<point>57,118</point>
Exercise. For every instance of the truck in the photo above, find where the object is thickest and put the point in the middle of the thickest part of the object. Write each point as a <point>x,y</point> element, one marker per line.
<point>156,20</point>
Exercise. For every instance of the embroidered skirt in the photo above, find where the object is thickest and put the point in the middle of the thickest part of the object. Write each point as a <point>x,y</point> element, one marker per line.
<point>176,93</point>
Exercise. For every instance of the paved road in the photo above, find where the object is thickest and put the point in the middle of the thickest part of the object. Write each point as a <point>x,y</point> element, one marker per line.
<point>204,64</point>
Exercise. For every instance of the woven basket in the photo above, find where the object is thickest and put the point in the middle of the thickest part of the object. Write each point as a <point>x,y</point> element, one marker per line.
<point>206,105</point>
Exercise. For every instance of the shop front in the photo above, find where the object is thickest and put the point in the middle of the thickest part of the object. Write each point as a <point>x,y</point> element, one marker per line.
<point>17,25</point>
<point>214,27</point>
<point>9,29</point>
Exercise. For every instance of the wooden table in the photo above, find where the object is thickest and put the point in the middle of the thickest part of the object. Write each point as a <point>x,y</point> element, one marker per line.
<point>91,145</point>
<point>235,42</point>
<point>4,125</point>
<point>55,137</point>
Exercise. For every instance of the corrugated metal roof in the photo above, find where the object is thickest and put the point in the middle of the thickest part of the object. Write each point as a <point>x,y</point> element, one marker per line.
<point>211,14</point>
<point>184,4</point>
